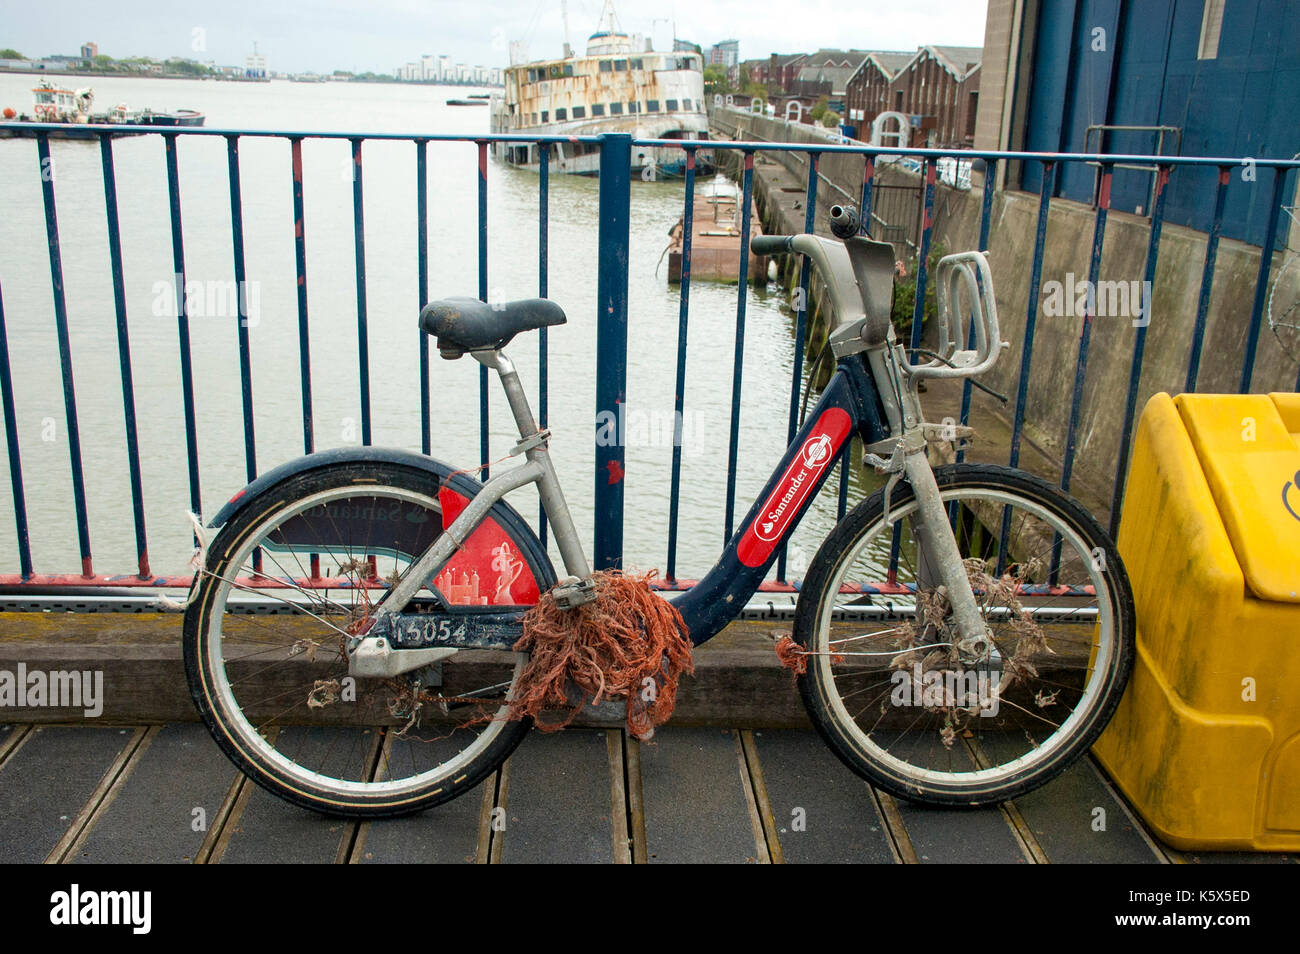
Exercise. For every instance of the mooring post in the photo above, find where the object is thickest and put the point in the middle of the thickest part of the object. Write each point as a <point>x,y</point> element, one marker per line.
<point>611,346</point>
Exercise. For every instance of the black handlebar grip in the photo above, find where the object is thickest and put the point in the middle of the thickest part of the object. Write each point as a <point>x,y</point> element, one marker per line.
<point>771,244</point>
<point>844,221</point>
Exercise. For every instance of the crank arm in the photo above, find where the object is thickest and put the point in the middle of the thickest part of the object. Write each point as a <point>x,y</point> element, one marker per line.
<point>373,656</point>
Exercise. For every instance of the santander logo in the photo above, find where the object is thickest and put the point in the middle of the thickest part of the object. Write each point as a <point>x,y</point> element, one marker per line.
<point>816,451</point>
<point>794,487</point>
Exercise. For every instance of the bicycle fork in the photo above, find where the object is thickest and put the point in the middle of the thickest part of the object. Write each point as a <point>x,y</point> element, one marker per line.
<point>939,560</point>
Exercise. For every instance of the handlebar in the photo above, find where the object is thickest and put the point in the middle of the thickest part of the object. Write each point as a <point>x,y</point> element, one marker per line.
<point>771,244</point>
<point>858,274</point>
<point>844,225</point>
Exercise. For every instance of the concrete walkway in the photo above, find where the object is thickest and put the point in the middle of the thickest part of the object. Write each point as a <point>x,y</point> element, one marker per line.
<point>93,794</point>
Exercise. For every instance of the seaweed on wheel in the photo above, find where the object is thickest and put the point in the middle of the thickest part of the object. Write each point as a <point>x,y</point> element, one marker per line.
<point>928,644</point>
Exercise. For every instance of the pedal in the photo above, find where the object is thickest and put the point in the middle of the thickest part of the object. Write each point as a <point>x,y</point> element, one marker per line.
<point>570,593</point>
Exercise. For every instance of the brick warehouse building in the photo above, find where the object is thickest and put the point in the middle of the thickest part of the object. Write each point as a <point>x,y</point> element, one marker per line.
<point>868,91</point>
<point>826,73</point>
<point>937,86</point>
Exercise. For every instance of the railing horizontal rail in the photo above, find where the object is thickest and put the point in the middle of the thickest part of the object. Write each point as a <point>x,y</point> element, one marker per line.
<point>31,129</point>
<point>611,364</point>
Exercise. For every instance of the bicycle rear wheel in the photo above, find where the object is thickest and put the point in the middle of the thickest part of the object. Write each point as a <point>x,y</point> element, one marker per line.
<point>885,685</point>
<point>293,574</point>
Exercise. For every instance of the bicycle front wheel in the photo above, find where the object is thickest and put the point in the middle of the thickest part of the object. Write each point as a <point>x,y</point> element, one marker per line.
<point>293,575</point>
<point>885,684</point>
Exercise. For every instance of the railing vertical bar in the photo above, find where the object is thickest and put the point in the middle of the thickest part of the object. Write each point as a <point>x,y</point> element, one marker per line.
<point>986,204</point>
<point>183,322</point>
<point>611,344</point>
<point>124,354</point>
<point>1085,332</point>
<point>1031,310</point>
<point>1261,283</point>
<point>923,252</point>
<point>1207,279</point>
<point>801,320</point>
<point>868,195</point>
<point>65,351</point>
<point>986,219</point>
<point>483,296</point>
<point>918,313</point>
<point>543,291</point>
<point>245,355</point>
<point>842,504</point>
<point>1139,345</point>
<point>1085,338</point>
<point>300,263</point>
<point>738,355</point>
<point>1027,349</point>
<point>679,394</point>
<point>15,454</point>
<point>422,282</point>
<point>359,250</point>
<point>864,228</point>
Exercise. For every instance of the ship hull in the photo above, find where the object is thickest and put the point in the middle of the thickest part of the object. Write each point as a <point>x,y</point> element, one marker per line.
<point>650,164</point>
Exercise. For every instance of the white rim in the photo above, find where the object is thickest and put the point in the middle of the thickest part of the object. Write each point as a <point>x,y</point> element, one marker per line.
<point>251,739</point>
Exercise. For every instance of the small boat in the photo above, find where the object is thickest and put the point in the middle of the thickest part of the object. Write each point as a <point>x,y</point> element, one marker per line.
<point>467,102</point>
<point>54,104</point>
<point>179,117</point>
<point>480,95</point>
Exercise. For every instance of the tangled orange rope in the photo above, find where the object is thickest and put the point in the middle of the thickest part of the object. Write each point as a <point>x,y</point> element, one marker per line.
<point>628,643</point>
<point>792,655</point>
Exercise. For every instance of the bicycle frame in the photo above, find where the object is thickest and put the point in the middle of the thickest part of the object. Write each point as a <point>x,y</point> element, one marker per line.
<point>872,394</point>
<point>849,405</point>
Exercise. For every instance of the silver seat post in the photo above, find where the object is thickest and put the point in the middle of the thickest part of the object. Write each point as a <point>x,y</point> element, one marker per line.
<point>548,485</point>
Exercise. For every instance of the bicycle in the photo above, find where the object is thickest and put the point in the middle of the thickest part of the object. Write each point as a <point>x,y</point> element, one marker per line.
<point>347,651</point>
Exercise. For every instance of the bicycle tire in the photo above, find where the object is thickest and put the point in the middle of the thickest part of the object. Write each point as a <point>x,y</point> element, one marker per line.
<point>372,795</point>
<point>971,783</point>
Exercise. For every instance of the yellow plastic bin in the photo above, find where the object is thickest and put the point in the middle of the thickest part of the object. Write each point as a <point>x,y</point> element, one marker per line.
<point>1206,741</point>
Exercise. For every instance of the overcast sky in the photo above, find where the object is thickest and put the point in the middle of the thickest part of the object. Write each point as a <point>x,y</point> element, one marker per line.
<point>381,34</point>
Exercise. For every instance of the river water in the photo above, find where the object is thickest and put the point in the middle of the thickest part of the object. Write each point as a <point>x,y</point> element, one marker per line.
<point>392,306</point>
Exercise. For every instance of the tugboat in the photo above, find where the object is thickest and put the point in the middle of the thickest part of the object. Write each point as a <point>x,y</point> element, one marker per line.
<point>615,87</point>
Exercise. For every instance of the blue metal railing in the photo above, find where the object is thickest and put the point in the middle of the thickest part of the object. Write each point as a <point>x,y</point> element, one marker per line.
<point>612,306</point>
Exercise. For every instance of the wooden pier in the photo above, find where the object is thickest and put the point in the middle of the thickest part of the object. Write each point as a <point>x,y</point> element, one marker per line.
<point>715,242</point>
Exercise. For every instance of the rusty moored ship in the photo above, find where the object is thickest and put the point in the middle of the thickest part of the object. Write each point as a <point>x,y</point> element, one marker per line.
<point>613,88</point>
